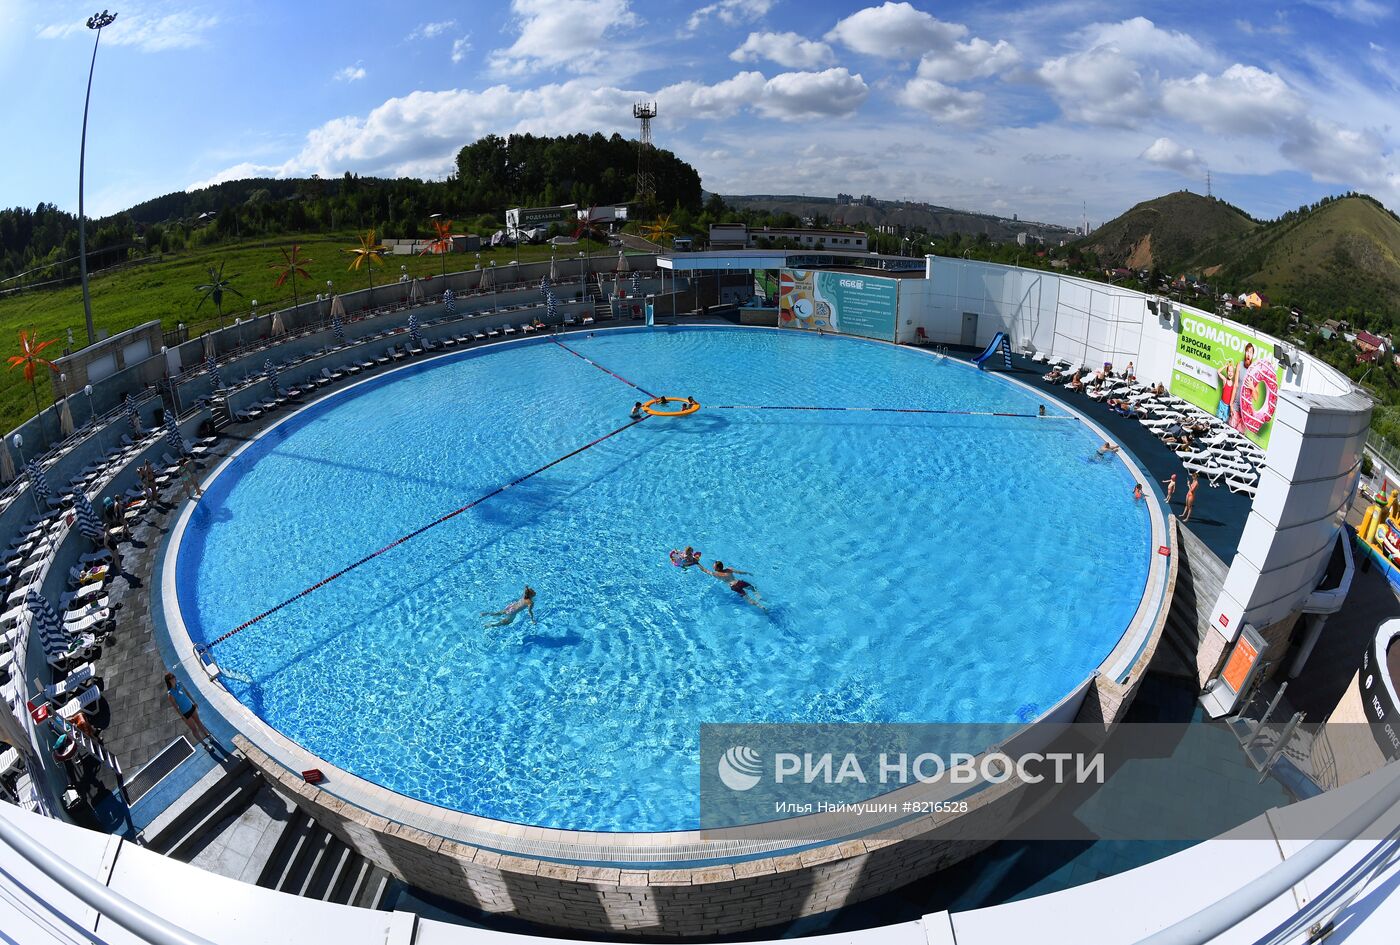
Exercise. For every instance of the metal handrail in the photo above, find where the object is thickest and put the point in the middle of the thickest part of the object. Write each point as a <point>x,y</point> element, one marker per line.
<point>1223,915</point>
<point>136,919</point>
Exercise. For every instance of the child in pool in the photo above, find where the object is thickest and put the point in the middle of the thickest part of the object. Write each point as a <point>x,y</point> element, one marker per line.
<point>685,559</point>
<point>512,610</point>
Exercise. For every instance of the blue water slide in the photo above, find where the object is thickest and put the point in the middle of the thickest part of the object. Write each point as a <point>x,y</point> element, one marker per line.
<point>1000,343</point>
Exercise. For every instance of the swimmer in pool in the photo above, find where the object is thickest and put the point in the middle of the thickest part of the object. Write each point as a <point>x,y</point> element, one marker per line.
<point>514,609</point>
<point>685,559</point>
<point>1106,449</point>
<point>636,413</point>
<point>730,576</point>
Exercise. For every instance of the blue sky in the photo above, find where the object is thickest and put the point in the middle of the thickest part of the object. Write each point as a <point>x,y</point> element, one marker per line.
<point>1036,108</point>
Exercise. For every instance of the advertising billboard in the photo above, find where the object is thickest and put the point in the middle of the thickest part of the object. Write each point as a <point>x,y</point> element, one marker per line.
<point>525,218</point>
<point>1227,371</point>
<point>851,303</point>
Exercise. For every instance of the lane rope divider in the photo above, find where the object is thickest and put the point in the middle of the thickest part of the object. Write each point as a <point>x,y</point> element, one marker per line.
<point>603,369</point>
<point>206,647</point>
<point>956,413</point>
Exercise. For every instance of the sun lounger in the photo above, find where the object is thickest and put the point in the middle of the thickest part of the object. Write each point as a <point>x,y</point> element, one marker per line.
<point>82,595</point>
<point>86,609</point>
<point>96,623</point>
<point>85,701</point>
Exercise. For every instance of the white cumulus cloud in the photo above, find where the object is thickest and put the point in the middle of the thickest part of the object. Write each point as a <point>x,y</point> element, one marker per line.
<point>790,96</point>
<point>955,106</point>
<point>350,73</point>
<point>1099,86</point>
<point>894,31</point>
<point>561,33</point>
<point>786,49</point>
<point>1165,152</point>
<point>460,47</point>
<point>1241,100</point>
<point>974,59</point>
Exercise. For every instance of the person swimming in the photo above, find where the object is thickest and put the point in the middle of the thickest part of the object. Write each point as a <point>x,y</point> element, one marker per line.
<point>731,577</point>
<point>685,559</point>
<point>526,602</point>
<point>636,413</point>
<point>1106,449</point>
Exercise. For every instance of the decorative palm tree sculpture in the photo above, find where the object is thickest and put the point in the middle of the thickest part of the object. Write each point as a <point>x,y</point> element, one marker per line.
<point>661,231</point>
<point>442,243</point>
<point>588,227</point>
<point>368,254</point>
<point>292,268</point>
<point>28,358</point>
<point>214,289</point>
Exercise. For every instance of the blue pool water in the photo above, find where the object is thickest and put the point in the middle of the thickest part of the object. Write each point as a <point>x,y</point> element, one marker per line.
<point>918,567</point>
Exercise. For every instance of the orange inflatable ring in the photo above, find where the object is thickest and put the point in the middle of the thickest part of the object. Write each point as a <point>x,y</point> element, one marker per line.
<point>687,407</point>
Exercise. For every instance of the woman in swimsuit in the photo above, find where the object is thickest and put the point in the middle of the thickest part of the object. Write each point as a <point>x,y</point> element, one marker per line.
<point>1190,496</point>
<point>514,609</point>
<point>730,576</point>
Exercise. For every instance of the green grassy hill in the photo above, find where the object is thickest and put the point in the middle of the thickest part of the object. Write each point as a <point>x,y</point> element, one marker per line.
<point>1167,231</point>
<point>1339,258</point>
<point>164,289</point>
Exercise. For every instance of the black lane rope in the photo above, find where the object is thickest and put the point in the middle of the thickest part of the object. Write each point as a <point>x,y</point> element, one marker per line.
<point>206,647</point>
<point>958,413</point>
<point>603,369</point>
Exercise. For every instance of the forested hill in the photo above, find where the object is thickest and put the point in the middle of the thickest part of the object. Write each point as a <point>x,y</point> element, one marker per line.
<point>492,174</point>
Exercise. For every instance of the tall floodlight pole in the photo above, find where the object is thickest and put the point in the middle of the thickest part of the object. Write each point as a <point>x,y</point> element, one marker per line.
<point>95,22</point>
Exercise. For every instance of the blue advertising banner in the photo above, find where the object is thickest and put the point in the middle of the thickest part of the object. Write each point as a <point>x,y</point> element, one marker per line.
<point>851,303</point>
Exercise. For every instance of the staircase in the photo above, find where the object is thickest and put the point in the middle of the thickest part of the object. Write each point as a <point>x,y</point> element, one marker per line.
<point>233,824</point>
<point>307,860</point>
<point>1199,578</point>
<point>219,411</point>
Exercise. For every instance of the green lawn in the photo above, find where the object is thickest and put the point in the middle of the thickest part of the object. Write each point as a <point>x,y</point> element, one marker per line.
<point>165,290</point>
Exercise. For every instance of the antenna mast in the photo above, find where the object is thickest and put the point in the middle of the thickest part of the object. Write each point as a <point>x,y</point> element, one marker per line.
<point>1208,191</point>
<point>644,112</point>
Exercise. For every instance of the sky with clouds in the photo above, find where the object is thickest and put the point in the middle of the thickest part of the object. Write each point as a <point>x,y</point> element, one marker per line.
<point>1038,108</point>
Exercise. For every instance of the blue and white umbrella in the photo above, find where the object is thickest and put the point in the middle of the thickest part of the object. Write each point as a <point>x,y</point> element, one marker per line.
<point>338,328</point>
<point>449,300</point>
<point>88,522</point>
<point>46,622</point>
<point>37,482</point>
<point>544,286</point>
<point>551,306</point>
<point>636,284</point>
<point>413,329</point>
<point>129,404</point>
<point>213,368</point>
<point>270,372</point>
<point>173,437</point>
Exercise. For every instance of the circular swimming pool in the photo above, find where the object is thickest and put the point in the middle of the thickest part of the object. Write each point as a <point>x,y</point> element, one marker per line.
<point>916,566</point>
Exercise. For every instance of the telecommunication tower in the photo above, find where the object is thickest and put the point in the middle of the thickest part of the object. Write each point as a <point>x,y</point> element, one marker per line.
<point>644,112</point>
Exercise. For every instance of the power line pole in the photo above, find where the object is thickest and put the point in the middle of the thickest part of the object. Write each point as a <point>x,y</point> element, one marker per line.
<point>646,184</point>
